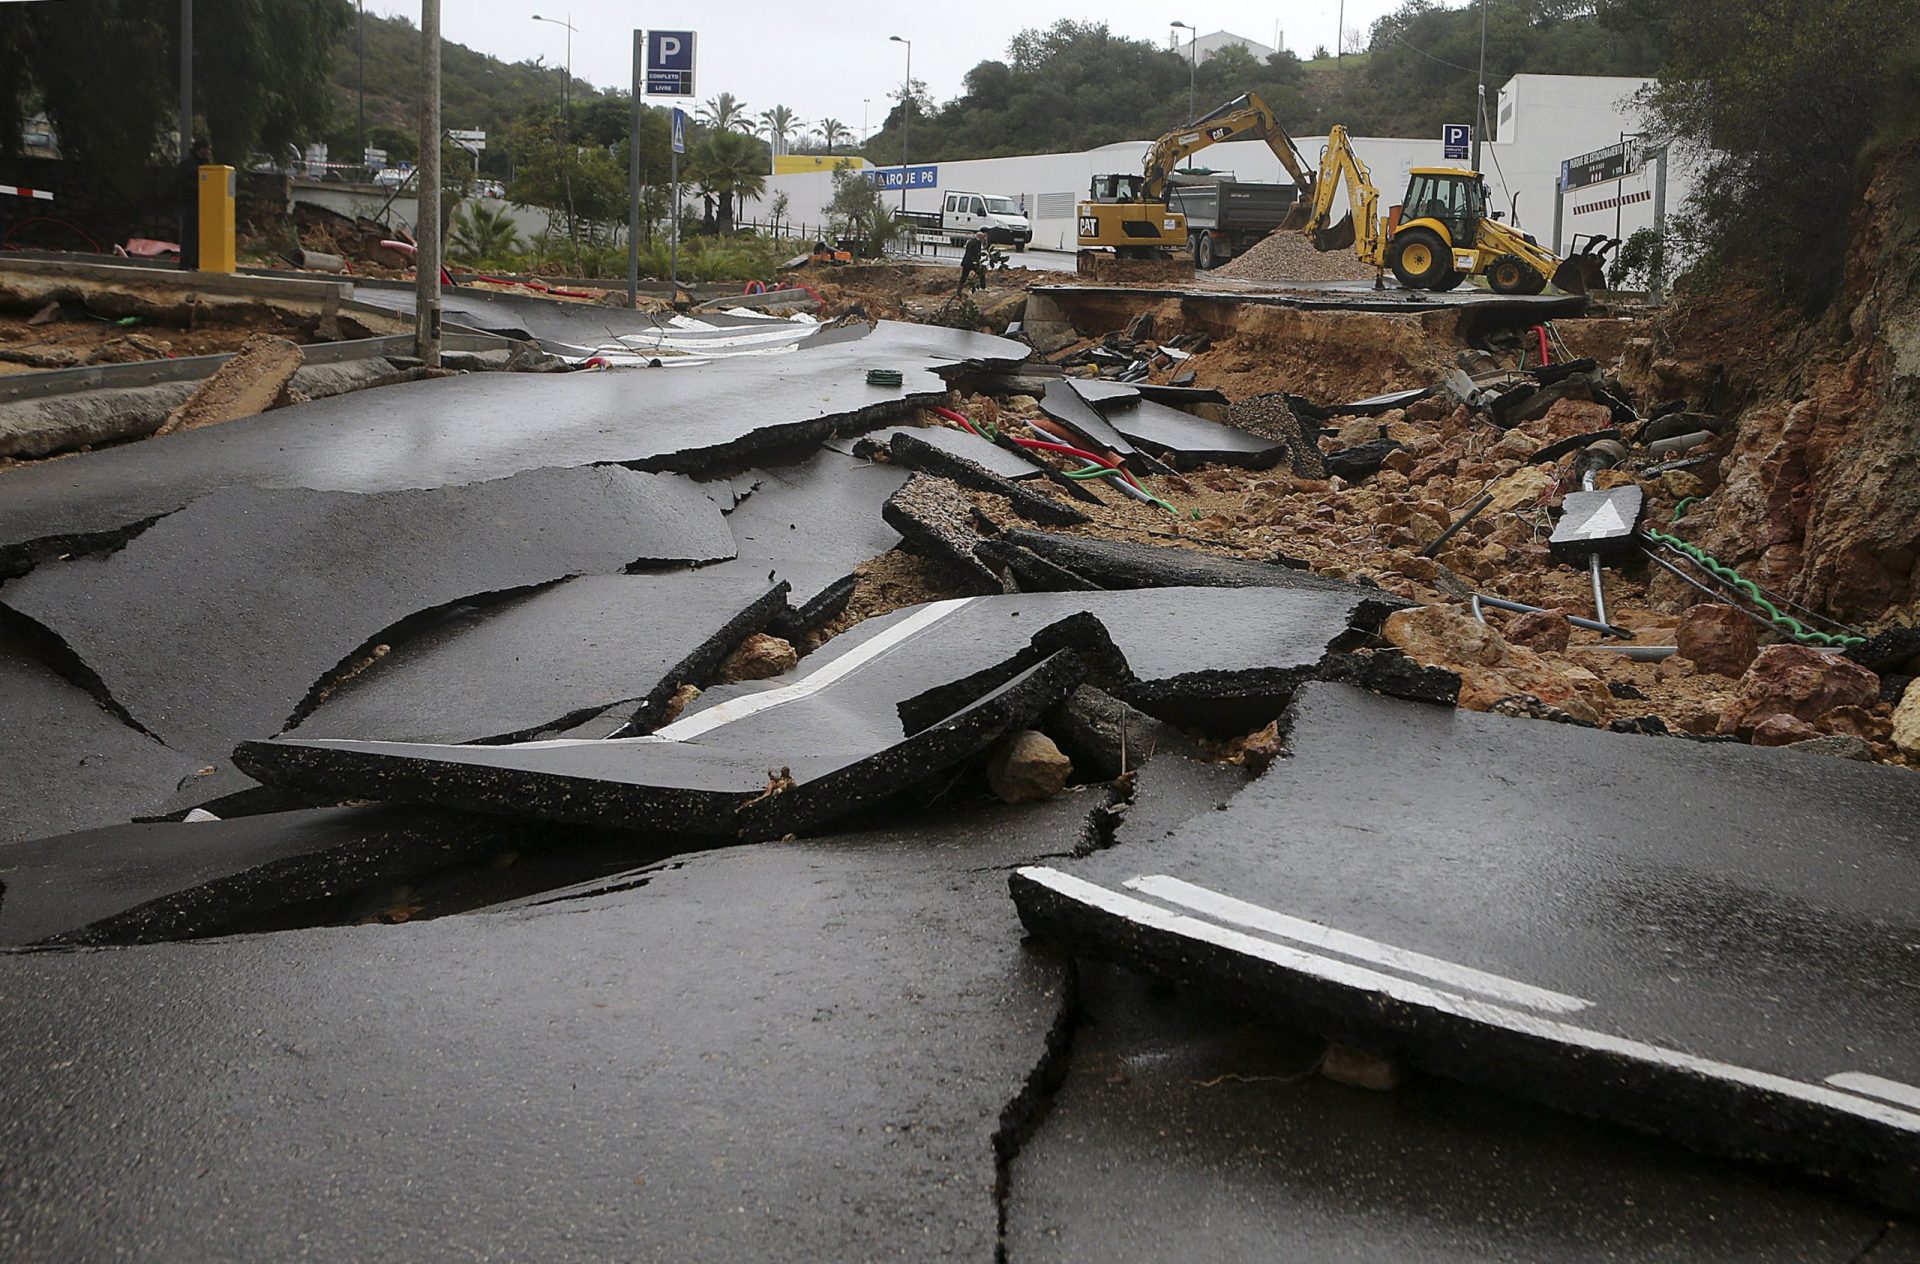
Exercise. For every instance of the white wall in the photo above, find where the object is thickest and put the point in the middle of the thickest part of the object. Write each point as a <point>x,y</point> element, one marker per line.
<point>1545,119</point>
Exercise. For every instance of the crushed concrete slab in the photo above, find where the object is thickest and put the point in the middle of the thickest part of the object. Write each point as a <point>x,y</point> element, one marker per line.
<point>475,427</point>
<point>893,701</point>
<point>937,522</point>
<point>808,524</point>
<point>128,884</point>
<point>910,450</point>
<point>1181,1120</point>
<point>624,1060</point>
<point>1010,465</point>
<point>1126,564</point>
<point>546,660</point>
<point>1185,441</point>
<point>682,779</point>
<point>215,623</point>
<point>1704,944</point>
<point>67,763</point>
<point>1067,404</point>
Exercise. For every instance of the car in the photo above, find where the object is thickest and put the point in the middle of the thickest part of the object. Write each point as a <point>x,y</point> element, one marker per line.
<point>391,177</point>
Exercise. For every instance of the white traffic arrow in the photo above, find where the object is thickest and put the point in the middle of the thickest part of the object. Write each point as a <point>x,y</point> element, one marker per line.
<point>1605,521</point>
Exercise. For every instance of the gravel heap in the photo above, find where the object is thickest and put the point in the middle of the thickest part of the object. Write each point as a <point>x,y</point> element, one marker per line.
<point>1286,255</point>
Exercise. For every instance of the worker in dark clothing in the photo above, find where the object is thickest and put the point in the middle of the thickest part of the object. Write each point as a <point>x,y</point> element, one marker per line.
<point>971,264</point>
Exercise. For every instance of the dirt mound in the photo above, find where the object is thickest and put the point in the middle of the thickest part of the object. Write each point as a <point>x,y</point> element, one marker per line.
<point>1286,255</point>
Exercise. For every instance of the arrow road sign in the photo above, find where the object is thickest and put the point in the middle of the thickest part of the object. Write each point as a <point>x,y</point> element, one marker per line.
<point>1598,523</point>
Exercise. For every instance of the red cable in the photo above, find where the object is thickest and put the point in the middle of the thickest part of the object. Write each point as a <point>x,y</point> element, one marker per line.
<point>1065,449</point>
<point>1542,331</point>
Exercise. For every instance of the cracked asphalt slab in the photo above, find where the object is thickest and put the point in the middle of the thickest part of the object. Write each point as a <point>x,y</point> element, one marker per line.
<point>478,427</point>
<point>1711,942</point>
<point>809,1049</point>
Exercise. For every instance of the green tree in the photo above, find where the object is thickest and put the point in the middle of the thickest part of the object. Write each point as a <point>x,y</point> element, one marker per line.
<point>730,168</point>
<point>723,113</point>
<point>778,124</point>
<point>482,234</point>
<point>1780,100</point>
<point>832,132</point>
<point>104,70</point>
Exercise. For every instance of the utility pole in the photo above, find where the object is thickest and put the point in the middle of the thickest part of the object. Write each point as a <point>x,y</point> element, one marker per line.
<point>906,113</point>
<point>1480,91</point>
<point>189,219</point>
<point>361,34</point>
<point>1193,53</point>
<point>1340,36</point>
<point>633,175</point>
<point>426,229</point>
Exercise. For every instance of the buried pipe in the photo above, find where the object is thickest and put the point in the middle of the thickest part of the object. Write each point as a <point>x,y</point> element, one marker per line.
<point>1679,443</point>
<point>1520,607</point>
<point>1638,653</point>
<point>1453,527</point>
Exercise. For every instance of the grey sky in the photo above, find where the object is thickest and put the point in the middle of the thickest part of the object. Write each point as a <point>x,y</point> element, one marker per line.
<point>825,59</point>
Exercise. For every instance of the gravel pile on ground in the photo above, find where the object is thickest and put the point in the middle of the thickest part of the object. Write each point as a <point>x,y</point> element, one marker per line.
<point>1286,255</point>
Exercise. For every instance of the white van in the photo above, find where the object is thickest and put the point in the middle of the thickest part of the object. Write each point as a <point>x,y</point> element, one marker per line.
<point>963,214</point>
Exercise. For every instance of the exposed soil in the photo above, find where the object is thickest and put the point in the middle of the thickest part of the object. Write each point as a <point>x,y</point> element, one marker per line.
<point>60,344</point>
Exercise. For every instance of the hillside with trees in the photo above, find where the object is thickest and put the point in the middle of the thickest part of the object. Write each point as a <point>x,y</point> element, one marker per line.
<point>1076,85</point>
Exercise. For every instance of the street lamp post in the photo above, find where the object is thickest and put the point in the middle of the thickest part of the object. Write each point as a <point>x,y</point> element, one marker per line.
<point>1193,44</point>
<point>906,112</point>
<point>566,90</point>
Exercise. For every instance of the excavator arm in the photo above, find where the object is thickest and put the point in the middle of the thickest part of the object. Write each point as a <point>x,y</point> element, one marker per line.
<point>1244,118</point>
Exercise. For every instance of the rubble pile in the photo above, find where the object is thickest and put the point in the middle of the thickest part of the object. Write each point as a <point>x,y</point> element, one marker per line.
<point>1286,255</point>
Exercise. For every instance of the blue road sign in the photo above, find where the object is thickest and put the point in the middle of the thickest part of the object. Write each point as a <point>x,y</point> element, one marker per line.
<point>679,130</point>
<point>927,177</point>
<point>1456,141</point>
<point>670,63</point>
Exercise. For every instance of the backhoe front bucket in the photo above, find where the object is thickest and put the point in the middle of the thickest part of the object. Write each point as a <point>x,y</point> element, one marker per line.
<point>1581,274</point>
<point>1340,236</point>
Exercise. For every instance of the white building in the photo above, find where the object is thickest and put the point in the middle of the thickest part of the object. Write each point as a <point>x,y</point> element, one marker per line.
<point>1205,46</point>
<point>1544,120</point>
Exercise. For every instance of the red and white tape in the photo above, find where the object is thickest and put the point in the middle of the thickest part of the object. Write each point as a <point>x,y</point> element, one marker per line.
<point>18,190</point>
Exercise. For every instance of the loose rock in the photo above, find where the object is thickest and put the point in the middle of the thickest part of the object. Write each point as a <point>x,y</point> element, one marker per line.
<point>1546,631</point>
<point>1027,767</point>
<point>1906,721</point>
<point>759,657</point>
<point>1800,682</point>
<point>1718,639</point>
<point>1490,668</point>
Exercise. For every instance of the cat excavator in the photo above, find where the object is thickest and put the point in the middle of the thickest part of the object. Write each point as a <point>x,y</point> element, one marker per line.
<point>1440,234</point>
<point>1129,215</point>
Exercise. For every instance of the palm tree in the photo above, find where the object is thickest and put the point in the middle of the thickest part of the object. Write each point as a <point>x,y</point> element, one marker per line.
<point>482,233</point>
<point>833,131</point>
<point>726,165</point>
<point>779,123</point>
<point>723,112</point>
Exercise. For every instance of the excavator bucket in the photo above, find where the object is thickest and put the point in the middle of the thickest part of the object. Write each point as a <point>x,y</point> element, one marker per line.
<point>1581,274</point>
<point>1340,236</point>
<point>1298,215</point>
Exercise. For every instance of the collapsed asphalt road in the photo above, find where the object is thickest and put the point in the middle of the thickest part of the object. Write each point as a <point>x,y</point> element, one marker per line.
<point>555,907</point>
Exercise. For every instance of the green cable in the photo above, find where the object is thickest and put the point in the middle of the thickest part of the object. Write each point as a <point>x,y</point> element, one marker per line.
<point>1786,623</point>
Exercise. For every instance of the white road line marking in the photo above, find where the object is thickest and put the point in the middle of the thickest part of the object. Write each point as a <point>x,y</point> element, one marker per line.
<point>1874,1086</point>
<point>1485,1013</point>
<point>754,703</point>
<point>1234,912</point>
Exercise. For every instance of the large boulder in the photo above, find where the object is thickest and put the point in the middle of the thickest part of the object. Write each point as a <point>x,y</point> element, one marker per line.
<point>1716,638</point>
<point>1906,721</point>
<point>1490,668</point>
<point>1026,767</point>
<point>1797,681</point>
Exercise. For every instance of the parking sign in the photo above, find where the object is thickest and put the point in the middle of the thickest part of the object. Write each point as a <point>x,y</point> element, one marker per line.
<point>1456,141</point>
<point>670,63</point>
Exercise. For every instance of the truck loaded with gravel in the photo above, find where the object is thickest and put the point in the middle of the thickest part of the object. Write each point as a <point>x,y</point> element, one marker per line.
<point>1227,217</point>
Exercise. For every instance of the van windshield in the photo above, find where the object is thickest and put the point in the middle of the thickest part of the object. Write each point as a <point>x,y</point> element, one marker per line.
<point>1002,206</point>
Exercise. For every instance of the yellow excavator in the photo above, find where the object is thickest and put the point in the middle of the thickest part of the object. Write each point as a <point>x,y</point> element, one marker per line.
<point>1129,215</point>
<point>1439,235</point>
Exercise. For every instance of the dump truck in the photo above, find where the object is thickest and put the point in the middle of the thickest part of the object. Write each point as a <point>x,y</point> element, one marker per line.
<point>1225,216</point>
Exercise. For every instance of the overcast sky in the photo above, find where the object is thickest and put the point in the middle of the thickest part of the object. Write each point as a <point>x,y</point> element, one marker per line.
<point>824,59</point>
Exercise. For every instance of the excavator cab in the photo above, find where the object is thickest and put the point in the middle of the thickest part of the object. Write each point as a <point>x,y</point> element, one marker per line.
<point>1109,189</point>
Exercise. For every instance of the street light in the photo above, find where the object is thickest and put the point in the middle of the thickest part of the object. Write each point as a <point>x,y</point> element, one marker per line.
<point>1193,44</point>
<point>566,91</point>
<point>906,112</point>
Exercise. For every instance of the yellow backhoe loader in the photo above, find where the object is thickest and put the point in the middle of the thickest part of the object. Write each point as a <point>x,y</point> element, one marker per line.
<point>1129,214</point>
<point>1439,235</point>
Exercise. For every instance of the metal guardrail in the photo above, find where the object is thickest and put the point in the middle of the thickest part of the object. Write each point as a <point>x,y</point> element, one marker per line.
<point>51,383</point>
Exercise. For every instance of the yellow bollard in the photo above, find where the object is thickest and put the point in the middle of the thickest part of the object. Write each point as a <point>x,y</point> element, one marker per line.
<point>217,190</point>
